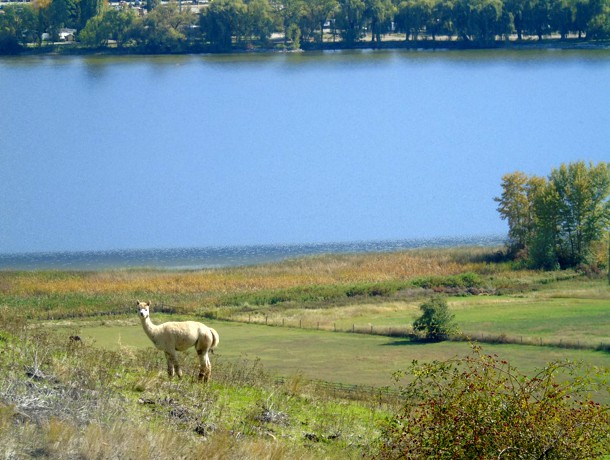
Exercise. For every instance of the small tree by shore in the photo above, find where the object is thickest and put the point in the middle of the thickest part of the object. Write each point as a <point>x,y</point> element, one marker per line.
<point>436,322</point>
<point>561,221</point>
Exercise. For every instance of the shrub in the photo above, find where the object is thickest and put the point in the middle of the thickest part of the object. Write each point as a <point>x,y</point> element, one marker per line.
<point>461,281</point>
<point>481,407</point>
<point>436,322</point>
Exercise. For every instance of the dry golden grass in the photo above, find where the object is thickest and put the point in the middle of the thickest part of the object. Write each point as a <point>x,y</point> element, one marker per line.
<point>318,270</point>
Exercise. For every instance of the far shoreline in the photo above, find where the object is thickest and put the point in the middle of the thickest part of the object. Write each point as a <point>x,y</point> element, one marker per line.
<point>73,49</point>
<point>210,257</point>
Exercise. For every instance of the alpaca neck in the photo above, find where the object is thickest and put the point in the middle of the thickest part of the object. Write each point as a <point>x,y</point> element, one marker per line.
<point>150,329</point>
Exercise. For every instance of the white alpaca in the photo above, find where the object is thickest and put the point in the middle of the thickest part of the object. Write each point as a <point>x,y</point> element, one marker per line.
<point>177,336</point>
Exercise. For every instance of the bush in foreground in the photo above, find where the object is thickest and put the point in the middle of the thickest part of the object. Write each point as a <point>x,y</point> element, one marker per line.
<point>482,407</point>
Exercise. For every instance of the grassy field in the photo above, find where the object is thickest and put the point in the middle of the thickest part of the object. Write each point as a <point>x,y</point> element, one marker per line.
<point>331,356</point>
<point>294,320</point>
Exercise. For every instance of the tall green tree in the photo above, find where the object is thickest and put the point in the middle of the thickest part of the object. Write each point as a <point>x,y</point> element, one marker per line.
<point>414,16</point>
<point>581,192</point>
<point>543,242</point>
<point>164,29</point>
<point>563,14</point>
<point>537,18</point>
<point>516,206</point>
<point>222,21</point>
<point>582,16</point>
<point>350,20</point>
<point>556,222</point>
<point>86,10</point>
<point>316,13</point>
<point>598,26</point>
<point>63,13</point>
<point>442,20</point>
<point>17,27</point>
<point>479,20</point>
<point>378,14</point>
<point>261,20</point>
<point>110,24</point>
<point>517,9</point>
<point>291,14</point>
<point>42,10</point>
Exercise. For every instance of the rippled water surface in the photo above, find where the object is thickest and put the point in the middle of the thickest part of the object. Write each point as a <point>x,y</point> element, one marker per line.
<point>198,258</point>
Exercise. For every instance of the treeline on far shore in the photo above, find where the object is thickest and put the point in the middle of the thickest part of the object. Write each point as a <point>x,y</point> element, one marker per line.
<point>227,25</point>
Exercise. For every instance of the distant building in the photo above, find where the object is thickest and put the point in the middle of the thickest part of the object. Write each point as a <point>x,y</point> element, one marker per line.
<point>67,35</point>
<point>64,35</point>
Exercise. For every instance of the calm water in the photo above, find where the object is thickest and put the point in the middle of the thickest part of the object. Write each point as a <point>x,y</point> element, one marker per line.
<point>289,150</point>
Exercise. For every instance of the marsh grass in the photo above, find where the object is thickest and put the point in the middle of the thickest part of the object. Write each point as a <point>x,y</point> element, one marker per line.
<point>62,294</point>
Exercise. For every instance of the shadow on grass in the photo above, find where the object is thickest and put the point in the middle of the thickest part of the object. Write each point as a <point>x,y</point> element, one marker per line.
<point>404,342</point>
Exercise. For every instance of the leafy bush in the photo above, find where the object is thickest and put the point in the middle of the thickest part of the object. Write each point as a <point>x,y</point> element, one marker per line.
<point>436,322</point>
<point>481,407</point>
<point>463,280</point>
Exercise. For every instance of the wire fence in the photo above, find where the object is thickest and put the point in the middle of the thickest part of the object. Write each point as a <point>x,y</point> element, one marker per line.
<point>407,332</point>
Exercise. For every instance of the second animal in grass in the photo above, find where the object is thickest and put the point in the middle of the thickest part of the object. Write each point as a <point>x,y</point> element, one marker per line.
<point>176,336</point>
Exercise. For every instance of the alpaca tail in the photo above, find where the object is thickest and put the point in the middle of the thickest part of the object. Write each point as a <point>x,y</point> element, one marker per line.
<point>215,339</point>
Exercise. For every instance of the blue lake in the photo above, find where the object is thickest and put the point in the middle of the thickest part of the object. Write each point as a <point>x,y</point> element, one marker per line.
<point>219,257</point>
<point>131,153</point>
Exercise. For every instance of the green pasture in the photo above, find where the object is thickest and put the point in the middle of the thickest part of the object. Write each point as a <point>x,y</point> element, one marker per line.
<point>568,313</point>
<point>570,321</point>
<point>567,320</point>
<point>331,356</point>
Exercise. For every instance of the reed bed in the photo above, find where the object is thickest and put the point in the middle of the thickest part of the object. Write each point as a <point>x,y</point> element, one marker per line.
<point>306,271</point>
<point>331,280</point>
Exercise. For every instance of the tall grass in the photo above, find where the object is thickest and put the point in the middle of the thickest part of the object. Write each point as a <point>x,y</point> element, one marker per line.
<point>306,271</point>
<point>67,399</point>
<point>310,282</point>
<point>57,294</point>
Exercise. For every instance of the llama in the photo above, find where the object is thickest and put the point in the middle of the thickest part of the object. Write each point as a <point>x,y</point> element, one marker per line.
<point>177,336</point>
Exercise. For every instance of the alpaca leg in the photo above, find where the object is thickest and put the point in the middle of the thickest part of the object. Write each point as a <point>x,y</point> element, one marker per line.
<point>205,366</point>
<point>177,364</point>
<point>170,364</point>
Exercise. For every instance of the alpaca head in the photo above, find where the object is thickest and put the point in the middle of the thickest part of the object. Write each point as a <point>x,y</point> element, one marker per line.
<point>143,309</point>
